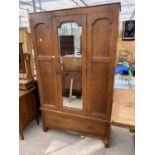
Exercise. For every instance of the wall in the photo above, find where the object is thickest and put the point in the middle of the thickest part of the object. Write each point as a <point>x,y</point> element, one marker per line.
<point>127,47</point>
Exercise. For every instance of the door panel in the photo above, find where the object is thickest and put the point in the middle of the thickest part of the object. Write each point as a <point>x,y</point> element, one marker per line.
<point>48,83</point>
<point>44,55</point>
<point>71,65</point>
<point>43,39</point>
<point>99,63</point>
<point>99,87</point>
<point>101,34</point>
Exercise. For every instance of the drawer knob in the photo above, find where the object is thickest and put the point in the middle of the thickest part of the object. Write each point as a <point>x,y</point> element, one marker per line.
<point>57,72</point>
<point>90,127</point>
<point>56,120</point>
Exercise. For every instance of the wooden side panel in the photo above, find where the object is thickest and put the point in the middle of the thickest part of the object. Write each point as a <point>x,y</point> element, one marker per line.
<point>99,64</point>
<point>67,45</point>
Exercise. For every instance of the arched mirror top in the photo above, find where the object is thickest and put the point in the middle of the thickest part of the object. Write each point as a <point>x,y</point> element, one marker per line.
<point>69,25</point>
<point>70,34</point>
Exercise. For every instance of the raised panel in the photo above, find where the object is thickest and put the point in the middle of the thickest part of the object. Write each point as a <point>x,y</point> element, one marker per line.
<point>101,35</point>
<point>99,87</point>
<point>48,82</point>
<point>99,84</point>
<point>43,39</point>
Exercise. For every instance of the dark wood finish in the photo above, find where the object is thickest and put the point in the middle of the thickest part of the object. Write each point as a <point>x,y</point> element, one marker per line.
<point>21,59</point>
<point>25,84</point>
<point>67,45</point>
<point>27,109</point>
<point>99,38</point>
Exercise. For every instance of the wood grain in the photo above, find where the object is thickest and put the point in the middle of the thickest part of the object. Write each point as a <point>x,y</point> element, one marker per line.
<point>123,113</point>
<point>27,109</point>
<point>99,38</point>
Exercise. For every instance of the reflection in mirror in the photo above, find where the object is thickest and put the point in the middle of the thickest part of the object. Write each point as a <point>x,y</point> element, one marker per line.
<point>71,64</point>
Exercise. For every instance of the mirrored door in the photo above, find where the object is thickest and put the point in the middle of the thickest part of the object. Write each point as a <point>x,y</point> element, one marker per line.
<point>69,35</point>
<point>71,63</point>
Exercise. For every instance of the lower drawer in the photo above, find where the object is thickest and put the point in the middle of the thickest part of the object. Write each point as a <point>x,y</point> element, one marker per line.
<point>74,123</point>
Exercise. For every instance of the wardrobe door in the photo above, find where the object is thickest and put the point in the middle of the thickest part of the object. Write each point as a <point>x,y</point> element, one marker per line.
<point>101,51</point>
<point>71,65</point>
<point>44,56</point>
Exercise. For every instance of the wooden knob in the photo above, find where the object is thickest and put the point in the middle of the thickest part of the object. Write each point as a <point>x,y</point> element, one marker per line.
<point>90,127</point>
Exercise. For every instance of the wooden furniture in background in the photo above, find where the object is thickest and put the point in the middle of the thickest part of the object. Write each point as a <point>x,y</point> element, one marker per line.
<point>99,38</point>
<point>67,45</point>
<point>25,84</point>
<point>27,58</point>
<point>21,59</point>
<point>25,38</point>
<point>27,92</point>
<point>123,112</point>
<point>28,69</point>
<point>27,109</point>
<point>27,81</point>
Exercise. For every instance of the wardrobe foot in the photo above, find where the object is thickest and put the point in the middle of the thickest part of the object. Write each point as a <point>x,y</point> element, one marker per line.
<point>37,120</point>
<point>106,142</point>
<point>45,129</point>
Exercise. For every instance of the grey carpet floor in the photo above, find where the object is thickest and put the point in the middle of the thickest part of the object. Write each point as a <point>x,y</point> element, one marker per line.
<point>56,142</point>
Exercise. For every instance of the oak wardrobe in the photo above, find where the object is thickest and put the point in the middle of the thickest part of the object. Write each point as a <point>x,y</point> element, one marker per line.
<point>75,52</point>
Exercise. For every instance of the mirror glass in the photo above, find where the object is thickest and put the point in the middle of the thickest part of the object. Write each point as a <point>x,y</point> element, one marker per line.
<point>71,64</point>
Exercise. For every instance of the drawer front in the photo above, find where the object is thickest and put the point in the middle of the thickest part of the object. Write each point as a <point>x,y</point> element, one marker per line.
<point>75,124</point>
